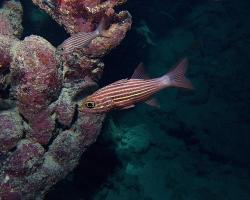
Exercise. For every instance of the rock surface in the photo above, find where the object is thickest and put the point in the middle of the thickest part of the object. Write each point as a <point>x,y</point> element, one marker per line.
<point>42,134</point>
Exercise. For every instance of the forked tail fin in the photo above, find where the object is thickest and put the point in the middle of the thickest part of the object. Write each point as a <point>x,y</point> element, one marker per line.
<point>101,26</point>
<point>176,76</point>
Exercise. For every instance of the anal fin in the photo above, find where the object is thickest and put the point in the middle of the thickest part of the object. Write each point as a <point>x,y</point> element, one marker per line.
<point>127,107</point>
<point>153,102</point>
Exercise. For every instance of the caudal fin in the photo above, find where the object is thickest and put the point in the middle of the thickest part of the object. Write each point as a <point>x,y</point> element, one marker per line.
<point>176,77</point>
<point>101,26</point>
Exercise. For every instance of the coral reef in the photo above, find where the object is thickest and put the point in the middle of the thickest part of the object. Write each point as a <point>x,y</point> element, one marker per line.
<point>10,19</point>
<point>42,134</point>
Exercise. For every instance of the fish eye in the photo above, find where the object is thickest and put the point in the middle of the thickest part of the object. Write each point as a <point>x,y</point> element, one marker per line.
<point>90,104</point>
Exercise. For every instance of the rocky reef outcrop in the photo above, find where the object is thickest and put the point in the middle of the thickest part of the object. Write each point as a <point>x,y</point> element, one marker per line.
<point>42,134</point>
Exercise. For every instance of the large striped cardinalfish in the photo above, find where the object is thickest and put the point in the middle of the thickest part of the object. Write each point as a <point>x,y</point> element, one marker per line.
<point>81,39</point>
<point>125,93</point>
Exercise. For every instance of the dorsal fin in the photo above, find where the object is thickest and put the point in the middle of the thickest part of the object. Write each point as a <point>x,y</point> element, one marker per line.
<point>140,72</point>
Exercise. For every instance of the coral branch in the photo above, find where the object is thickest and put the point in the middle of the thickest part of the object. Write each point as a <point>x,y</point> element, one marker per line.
<point>42,134</point>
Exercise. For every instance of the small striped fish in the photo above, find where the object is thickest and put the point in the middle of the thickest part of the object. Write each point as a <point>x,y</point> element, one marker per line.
<point>81,40</point>
<point>49,3</point>
<point>126,93</point>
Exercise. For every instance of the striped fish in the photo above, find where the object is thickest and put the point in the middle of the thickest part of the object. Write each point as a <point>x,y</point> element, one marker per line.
<point>126,93</point>
<point>49,3</point>
<point>81,40</point>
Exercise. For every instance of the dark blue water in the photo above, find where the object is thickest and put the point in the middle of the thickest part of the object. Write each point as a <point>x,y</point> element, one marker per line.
<point>196,146</point>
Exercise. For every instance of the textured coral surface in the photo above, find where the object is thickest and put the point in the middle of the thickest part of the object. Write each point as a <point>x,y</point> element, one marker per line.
<point>42,134</point>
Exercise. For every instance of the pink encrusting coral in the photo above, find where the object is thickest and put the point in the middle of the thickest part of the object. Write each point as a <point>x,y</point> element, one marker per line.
<point>5,26</point>
<point>10,28</point>
<point>84,16</point>
<point>11,130</point>
<point>77,16</point>
<point>11,19</point>
<point>42,134</point>
<point>36,82</point>
<point>5,58</point>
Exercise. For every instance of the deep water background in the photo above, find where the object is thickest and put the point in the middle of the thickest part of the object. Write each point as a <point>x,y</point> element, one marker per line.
<point>196,146</point>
